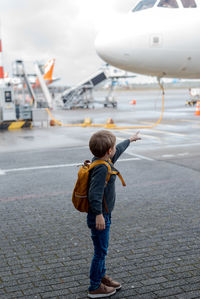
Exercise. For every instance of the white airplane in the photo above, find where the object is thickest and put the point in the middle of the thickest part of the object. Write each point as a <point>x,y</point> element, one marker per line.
<point>158,38</point>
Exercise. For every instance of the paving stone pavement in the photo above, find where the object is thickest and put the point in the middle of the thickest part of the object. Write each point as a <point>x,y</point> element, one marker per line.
<point>45,246</point>
<point>45,254</point>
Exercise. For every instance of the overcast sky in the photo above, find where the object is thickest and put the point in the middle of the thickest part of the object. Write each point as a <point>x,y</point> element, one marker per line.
<point>65,29</point>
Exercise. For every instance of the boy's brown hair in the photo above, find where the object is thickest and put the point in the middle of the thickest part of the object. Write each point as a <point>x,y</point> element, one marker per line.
<point>101,142</point>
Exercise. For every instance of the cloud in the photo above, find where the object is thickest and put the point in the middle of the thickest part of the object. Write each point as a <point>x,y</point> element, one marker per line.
<point>64,29</point>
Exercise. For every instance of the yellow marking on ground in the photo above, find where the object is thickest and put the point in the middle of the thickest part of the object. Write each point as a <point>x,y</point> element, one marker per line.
<point>16,125</point>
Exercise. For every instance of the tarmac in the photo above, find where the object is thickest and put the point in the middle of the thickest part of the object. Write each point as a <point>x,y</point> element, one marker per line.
<point>45,245</point>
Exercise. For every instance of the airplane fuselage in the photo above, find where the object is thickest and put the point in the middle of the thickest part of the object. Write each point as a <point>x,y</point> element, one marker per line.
<point>158,42</point>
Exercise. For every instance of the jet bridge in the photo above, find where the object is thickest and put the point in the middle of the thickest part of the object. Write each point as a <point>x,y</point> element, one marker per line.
<point>81,96</point>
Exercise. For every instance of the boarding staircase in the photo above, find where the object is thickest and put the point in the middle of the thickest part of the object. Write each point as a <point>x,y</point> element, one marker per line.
<point>80,96</point>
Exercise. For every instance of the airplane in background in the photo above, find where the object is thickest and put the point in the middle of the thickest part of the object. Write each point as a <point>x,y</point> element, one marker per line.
<point>116,77</point>
<point>47,71</point>
<point>157,38</point>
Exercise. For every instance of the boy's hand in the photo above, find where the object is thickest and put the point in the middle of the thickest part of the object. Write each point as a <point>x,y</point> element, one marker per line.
<point>135,137</point>
<point>100,222</point>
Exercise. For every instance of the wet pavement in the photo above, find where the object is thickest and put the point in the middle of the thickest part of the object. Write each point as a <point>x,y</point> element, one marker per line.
<point>45,246</point>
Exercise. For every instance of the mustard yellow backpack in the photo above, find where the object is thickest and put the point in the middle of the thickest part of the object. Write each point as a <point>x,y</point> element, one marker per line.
<point>80,192</point>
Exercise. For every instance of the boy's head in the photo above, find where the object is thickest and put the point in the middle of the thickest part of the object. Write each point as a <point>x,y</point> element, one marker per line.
<point>101,143</point>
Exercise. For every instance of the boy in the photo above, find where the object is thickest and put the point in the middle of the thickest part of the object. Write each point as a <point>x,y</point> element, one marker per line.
<point>101,198</point>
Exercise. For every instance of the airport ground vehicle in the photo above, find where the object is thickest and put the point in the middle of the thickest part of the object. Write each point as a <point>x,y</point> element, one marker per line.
<point>194,96</point>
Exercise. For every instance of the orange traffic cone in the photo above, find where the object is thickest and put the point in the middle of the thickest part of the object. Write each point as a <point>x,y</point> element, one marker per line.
<point>133,102</point>
<point>110,121</point>
<point>52,123</point>
<point>197,112</point>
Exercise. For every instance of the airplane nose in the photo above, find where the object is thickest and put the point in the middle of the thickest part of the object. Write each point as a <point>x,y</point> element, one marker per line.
<point>109,46</point>
<point>120,46</point>
<point>104,46</point>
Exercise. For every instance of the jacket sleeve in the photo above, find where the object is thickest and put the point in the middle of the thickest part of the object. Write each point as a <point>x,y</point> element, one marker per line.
<point>96,188</point>
<point>120,148</point>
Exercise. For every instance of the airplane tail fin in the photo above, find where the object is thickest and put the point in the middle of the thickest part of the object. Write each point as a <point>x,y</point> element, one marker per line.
<point>48,70</point>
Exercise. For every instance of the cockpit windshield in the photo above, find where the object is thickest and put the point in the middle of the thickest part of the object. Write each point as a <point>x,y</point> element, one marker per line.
<point>189,3</point>
<point>168,4</point>
<point>144,4</point>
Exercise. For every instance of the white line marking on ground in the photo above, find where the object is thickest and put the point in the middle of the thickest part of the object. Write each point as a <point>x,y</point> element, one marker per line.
<point>139,156</point>
<point>175,155</point>
<point>168,156</point>
<point>167,132</point>
<point>4,171</point>
<point>157,131</point>
<point>150,136</point>
<point>41,167</point>
<point>182,145</point>
<point>128,159</point>
<point>183,154</point>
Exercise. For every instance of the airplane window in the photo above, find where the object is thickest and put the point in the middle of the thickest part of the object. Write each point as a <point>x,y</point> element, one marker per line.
<point>144,4</point>
<point>168,4</point>
<point>188,3</point>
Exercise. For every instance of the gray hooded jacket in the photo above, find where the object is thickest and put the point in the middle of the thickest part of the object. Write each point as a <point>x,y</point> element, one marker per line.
<point>98,190</point>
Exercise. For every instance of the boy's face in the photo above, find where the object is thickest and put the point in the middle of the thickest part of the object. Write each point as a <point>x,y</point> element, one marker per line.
<point>112,151</point>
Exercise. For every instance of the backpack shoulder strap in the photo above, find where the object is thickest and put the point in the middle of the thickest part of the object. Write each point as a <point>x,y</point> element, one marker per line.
<point>120,176</point>
<point>98,162</point>
<point>116,172</point>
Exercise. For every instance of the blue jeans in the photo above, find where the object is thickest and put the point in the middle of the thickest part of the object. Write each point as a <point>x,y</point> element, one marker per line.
<point>100,240</point>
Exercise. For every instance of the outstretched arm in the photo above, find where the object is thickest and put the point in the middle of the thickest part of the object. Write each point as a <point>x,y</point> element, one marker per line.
<point>135,137</point>
<point>122,146</point>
